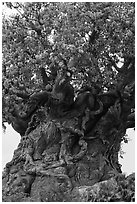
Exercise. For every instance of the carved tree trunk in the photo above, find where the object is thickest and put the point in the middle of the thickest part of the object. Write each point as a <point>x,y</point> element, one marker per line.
<point>64,153</point>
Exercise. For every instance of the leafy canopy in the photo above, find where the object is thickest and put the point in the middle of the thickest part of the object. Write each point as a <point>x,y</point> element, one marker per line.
<point>40,34</point>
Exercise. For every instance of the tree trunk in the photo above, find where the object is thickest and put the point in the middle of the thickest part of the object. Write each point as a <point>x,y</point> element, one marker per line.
<point>65,153</point>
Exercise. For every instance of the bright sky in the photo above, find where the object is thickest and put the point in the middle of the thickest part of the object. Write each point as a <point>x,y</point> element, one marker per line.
<point>128,161</point>
<point>10,141</point>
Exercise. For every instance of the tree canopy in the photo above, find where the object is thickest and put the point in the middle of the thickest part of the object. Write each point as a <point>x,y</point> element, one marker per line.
<point>95,40</point>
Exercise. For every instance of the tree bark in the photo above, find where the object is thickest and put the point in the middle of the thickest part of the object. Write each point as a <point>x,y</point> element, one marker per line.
<point>67,148</point>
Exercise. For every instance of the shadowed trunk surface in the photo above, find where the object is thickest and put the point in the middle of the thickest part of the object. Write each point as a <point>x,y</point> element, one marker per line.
<point>67,149</point>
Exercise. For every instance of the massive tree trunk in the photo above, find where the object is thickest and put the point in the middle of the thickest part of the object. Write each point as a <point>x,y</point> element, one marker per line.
<point>68,147</point>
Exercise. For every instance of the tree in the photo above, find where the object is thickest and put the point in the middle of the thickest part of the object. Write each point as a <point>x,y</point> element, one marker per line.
<point>68,89</point>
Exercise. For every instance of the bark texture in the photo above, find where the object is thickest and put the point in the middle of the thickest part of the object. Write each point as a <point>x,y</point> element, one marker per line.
<point>69,148</point>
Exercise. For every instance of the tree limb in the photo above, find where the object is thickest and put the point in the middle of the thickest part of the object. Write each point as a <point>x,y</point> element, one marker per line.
<point>130,124</point>
<point>45,78</point>
<point>22,94</point>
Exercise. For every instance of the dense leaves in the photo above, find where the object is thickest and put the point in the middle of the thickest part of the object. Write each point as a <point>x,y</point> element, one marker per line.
<point>93,38</point>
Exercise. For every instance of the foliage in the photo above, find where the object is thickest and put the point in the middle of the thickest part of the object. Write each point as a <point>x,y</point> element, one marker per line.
<point>40,35</point>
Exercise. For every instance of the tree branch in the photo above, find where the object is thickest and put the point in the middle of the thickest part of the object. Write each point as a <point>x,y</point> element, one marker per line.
<point>21,94</point>
<point>130,124</point>
<point>45,78</point>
